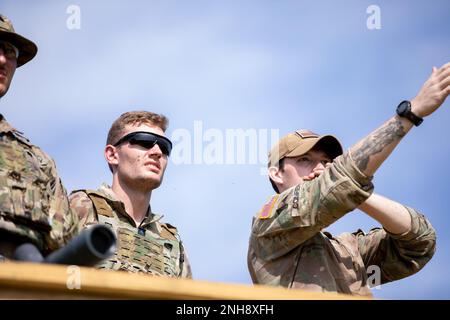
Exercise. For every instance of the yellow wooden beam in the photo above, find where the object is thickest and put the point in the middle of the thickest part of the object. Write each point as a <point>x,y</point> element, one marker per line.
<point>45,281</point>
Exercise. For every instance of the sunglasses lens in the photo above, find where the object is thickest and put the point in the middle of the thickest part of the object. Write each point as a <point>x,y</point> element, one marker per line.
<point>148,140</point>
<point>147,144</point>
<point>165,147</point>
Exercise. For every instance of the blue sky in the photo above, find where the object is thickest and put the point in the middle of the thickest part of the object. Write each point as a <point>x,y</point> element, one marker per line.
<point>229,65</point>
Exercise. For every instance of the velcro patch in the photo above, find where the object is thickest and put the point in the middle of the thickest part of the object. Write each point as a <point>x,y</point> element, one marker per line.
<point>267,209</point>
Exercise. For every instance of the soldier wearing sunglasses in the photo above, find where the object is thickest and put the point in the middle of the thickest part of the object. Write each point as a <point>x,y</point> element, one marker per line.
<point>137,153</point>
<point>33,202</point>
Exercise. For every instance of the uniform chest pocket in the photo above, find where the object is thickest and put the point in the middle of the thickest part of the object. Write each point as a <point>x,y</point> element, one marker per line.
<point>25,200</point>
<point>25,185</point>
<point>146,253</point>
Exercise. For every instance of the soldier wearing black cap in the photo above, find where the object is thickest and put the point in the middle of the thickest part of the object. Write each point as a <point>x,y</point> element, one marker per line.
<point>33,202</point>
<point>317,183</point>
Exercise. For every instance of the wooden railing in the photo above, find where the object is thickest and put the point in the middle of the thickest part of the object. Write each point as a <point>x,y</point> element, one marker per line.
<point>45,281</point>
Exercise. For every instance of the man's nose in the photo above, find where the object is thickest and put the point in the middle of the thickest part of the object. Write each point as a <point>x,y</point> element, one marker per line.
<point>155,151</point>
<point>2,57</point>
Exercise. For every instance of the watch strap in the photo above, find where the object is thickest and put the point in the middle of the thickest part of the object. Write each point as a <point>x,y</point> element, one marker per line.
<point>404,110</point>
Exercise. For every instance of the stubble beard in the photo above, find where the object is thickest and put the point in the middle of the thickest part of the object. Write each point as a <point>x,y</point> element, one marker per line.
<point>146,184</point>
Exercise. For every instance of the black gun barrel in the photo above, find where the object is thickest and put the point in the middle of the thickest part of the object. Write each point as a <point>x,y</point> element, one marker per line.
<point>93,245</point>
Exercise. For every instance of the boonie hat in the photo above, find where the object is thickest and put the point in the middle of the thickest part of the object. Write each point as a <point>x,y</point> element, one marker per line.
<point>27,49</point>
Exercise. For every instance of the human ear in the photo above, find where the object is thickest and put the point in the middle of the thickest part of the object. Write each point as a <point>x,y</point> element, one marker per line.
<point>111,155</point>
<point>275,175</point>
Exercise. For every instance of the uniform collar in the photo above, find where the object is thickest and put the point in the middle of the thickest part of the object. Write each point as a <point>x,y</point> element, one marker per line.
<point>106,191</point>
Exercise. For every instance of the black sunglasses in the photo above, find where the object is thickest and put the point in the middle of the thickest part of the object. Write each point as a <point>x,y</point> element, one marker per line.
<point>147,140</point>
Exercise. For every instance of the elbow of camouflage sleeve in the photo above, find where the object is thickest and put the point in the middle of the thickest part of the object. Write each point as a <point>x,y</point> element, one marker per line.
<point>421,229</point>
<point>418,245</point>
<point>351,191</point>
<point>351,170</point>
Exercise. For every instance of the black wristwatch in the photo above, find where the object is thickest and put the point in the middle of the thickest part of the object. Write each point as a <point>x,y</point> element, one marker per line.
<point>404,110</point>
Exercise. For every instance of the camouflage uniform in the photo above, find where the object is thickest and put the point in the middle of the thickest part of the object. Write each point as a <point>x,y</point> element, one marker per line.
<point>33,202</point>
<point>289,248</point>
<point>152,247</point>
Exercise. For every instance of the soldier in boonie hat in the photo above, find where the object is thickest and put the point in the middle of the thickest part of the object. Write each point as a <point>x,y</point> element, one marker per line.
<point>26,49</point>
<point>34,206</point>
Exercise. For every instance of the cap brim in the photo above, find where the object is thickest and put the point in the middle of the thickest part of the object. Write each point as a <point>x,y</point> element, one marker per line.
<point>330,145</point>
<point>27,48</point>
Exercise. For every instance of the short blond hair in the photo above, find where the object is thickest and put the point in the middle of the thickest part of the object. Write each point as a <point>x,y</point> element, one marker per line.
<point>135,118</point>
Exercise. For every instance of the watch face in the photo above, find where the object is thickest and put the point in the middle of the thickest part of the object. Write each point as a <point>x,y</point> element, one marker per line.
<point>403,107</point>
<point>404,110</point>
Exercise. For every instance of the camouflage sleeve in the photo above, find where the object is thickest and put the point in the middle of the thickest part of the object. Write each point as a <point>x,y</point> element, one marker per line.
<point>303,211</point>
<point>402,255</point>
<point>65,224</point>
<point>83,207</point>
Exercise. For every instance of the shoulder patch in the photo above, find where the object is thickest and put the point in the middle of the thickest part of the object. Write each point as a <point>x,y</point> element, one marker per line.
<point>268,209</point>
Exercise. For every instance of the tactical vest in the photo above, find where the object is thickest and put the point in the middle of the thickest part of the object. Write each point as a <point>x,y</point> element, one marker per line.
<point>157,254</point>
<point>26,188</point>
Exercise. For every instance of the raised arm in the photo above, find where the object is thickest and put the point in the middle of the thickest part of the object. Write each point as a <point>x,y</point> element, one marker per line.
<point>394,217</point>
<point>371,151</point>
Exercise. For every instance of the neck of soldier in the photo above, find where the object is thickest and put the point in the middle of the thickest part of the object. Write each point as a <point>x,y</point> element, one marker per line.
<point>136,201</point>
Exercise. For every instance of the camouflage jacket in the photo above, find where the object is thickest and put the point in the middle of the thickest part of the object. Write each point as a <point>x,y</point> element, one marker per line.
<point>288,246</point>
<point>152,247</point>
<point>33,202</point>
